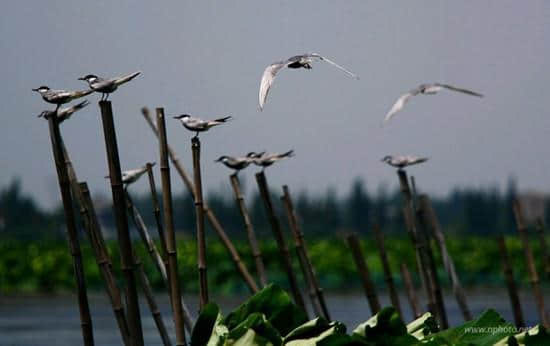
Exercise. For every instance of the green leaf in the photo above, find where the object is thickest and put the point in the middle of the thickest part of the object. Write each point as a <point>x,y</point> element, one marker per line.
<point>310,333</point>
<point>255,330</point>
<point>423,326</point>
<point>277,307</point>
<point>208,330</point>
<point>385,328</point>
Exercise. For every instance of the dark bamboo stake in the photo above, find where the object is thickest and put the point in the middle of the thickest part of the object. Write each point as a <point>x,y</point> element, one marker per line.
<point>448,262</point>
<point>103,260</point>
<point>302,260</point>
<point>511,283</point>
<point>153,307</point>
<point>535,283</point>
<point>364,273</point>
<point>300,238</point>
<point>252,241</point>
<point>241,268</point>
<point>119,205</point>
<point>72,235</point>
<point>279,237</point>
<point>394,296</point>
<point>421,258</point>
<point>170,234</point>
<point>199,213</point>
<point>411,292</point>
<point>543,248</point>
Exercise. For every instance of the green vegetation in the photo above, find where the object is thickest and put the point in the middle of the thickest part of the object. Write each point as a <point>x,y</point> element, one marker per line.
<point>270,318</point>
<point>45,266</point>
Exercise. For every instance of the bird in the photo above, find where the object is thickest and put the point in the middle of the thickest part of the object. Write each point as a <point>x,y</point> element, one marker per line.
<point>59,97</point>
<point>198,125</point>
<point>239,163</point>
<point>298,61</point>
<point>267,160</point>
<point>132,175</point>
<point>107,86</point>
<point>64,113</point>
<point>424,89</point>
<point>403,161</point>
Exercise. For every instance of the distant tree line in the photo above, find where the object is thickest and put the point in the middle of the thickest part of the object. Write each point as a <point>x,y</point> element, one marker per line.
<point>476,211</point>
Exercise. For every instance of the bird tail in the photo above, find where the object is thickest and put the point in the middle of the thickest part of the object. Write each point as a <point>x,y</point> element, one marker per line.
<point>81,105</point>
<point>125,79</point>
<point>289,153</point>
<point>223,120</point>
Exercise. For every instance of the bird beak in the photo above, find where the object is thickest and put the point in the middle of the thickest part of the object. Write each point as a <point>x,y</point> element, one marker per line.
<point>218,160</point>
<point>177,117</point>
<point>81,78</point>
<point>107,177</point>
<point>35,89</point>
<point>381,160</point>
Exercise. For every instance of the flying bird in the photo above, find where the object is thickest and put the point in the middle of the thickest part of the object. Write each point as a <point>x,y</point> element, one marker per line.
<point>59,97</point>
<point>424,89</point>
<point>403,161</point>
<point>132,175</point>
<point>64,113</point>
<point>198,125</point>
<point>298,61</point>
<point>107,86</point>
<point>267,160</point>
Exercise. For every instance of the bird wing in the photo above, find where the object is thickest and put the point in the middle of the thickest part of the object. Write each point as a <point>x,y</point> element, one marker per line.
<point>412,160</point>
<point>267,80</point>
<point>398,105</point>
<point>121,80</point>
<point>464,91</point>
<point>315,55</point>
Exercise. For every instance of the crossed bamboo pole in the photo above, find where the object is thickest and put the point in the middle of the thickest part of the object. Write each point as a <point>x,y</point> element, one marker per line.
<point>510,283</point>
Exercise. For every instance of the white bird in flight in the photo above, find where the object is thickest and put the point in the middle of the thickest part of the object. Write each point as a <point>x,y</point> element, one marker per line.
<point>298,61</point>
<point>198,125</point>
<point>403,161</point>
<point>424,89</point>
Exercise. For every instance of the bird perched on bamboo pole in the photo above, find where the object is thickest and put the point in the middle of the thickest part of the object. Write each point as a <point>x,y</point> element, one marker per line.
<point>107,86</point>
<point>295,62</point>
<point>267,160</point>
<point>401,162</point>
<point>424,89</point>
<point>132,175</point>
<point>59,97</point>
<point>198,125</point>
<point>239,163</point>
<point>64,113</point>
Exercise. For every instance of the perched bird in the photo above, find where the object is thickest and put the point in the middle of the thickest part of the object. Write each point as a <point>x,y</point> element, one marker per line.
<point>107,86</point>
<point>298,61</point>
<point>131,176</point>
<point>64,113</point>
<point>198,125</point>
<point>267,160</point>
<point>424,89</point>
<point>239,163</point>
<point>403,161</point>
<point>59,97</point>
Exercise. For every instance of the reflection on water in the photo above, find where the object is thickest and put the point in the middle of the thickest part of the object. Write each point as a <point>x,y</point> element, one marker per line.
<point>26,321</point>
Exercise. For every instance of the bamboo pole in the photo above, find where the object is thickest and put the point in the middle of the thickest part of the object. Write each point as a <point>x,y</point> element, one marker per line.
<point>199,213</point>
<point>241,268</point>
<point>300,238</point>
<point>119,205</point>
<point>411,292</point>
<point>72,235</point>
<point>448,262</point>
<point>534,277</point>
<point>279,237</point>
<point>410,221</point>
<point>543,248</point>
<point>364,273</point>
<point>170,234</point>
<point>306,272</point>
<point>252,241</point>
<point>510,283</point>
<point>394,296</point>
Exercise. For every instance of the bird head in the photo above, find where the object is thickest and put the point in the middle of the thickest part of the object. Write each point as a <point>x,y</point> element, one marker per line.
<point>42,89</point>
<point>89,78</point>
<point>386,158</point>
<point>221,159</point>
<point>181,116</point>
<point>255,155</point>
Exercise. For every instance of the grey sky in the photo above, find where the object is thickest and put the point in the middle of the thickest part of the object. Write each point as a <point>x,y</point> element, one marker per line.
<point>206,58</point>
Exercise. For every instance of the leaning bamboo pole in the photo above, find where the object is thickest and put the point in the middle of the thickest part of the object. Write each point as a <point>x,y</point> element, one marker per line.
<point>411,292</point>
<point>364,273</point>
<point>533,275</point>
<point>394,296</point>
<point>300,239</point>
<point>199,214</point>
<point>284,253</point>
<point>448,262</point>
<point>543,248</point>
<point>510,283</point>
<point>240,266</point>
<point>72,234</point>
<point>121,218</point>
<point>175,292</point>
<point>252,240</point>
